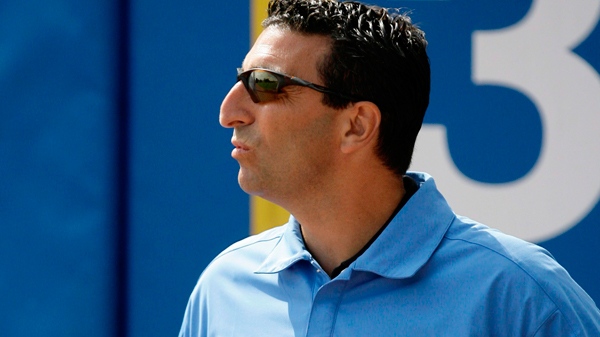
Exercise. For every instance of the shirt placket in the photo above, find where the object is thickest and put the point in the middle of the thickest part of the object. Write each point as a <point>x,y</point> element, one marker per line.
<point>327,297</point>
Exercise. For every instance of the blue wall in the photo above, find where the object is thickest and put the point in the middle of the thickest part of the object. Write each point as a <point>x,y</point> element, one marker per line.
<point>58,176</point>
<point>116,183</point>
<point>185,202</point>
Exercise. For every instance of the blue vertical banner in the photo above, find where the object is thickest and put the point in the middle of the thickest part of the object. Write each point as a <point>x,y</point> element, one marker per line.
<point>58,113</point>
<point>185,202</point>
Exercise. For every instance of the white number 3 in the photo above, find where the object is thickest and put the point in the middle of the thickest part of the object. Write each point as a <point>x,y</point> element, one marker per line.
<point>534,57</point>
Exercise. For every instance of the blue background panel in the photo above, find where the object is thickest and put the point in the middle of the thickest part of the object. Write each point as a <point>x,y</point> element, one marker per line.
<point>57,168</point>
<point>185,202</point>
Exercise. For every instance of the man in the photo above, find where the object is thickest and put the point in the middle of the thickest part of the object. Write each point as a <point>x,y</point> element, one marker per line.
<point>325,113</point>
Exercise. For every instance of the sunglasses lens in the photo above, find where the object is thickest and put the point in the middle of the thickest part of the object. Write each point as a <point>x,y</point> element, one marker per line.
<point>265,85</point>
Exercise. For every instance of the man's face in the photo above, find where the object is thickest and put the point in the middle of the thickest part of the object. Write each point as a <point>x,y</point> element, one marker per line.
<point>287,147</point>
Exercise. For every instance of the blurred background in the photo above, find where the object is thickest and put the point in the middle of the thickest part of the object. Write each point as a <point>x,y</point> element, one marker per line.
<point>116,182</point>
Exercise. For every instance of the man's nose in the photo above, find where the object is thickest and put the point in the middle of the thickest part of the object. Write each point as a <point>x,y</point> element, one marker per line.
<point>236,107</point>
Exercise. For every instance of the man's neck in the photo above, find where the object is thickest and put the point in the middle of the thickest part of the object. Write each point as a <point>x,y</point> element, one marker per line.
<point>337,229</point>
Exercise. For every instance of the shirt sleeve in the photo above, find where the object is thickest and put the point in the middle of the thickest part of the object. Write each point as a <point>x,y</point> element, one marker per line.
<point>192,319</point>
<point>586,323</point>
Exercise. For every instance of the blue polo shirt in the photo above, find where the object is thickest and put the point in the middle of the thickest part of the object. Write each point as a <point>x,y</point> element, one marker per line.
<point>429,273</point>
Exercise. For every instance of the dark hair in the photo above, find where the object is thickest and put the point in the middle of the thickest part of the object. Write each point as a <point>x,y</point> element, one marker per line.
<point>376,54</point>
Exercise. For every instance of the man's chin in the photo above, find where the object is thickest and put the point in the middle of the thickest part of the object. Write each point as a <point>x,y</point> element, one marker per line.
<point>248,185</point>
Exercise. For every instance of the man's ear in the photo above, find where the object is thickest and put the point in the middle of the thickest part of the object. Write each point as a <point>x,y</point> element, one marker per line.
<point>361,126</point>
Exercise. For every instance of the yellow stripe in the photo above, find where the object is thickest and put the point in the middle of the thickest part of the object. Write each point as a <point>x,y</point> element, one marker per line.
<point>263,214</point>
<point>258,11</point>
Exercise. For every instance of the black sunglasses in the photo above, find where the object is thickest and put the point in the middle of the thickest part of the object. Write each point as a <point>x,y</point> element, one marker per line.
<point>263,85</point>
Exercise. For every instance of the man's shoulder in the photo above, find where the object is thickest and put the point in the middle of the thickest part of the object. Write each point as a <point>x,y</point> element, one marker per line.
<point>492,249</point>
<point>244,256</point>
<point>248,253</point>
<point>510,270</point>
<point>261,242</point>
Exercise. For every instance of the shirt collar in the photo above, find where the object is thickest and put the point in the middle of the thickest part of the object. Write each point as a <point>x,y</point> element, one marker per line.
<point>412,236</point>
<point>401,249</point>
<point>289,250</point>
